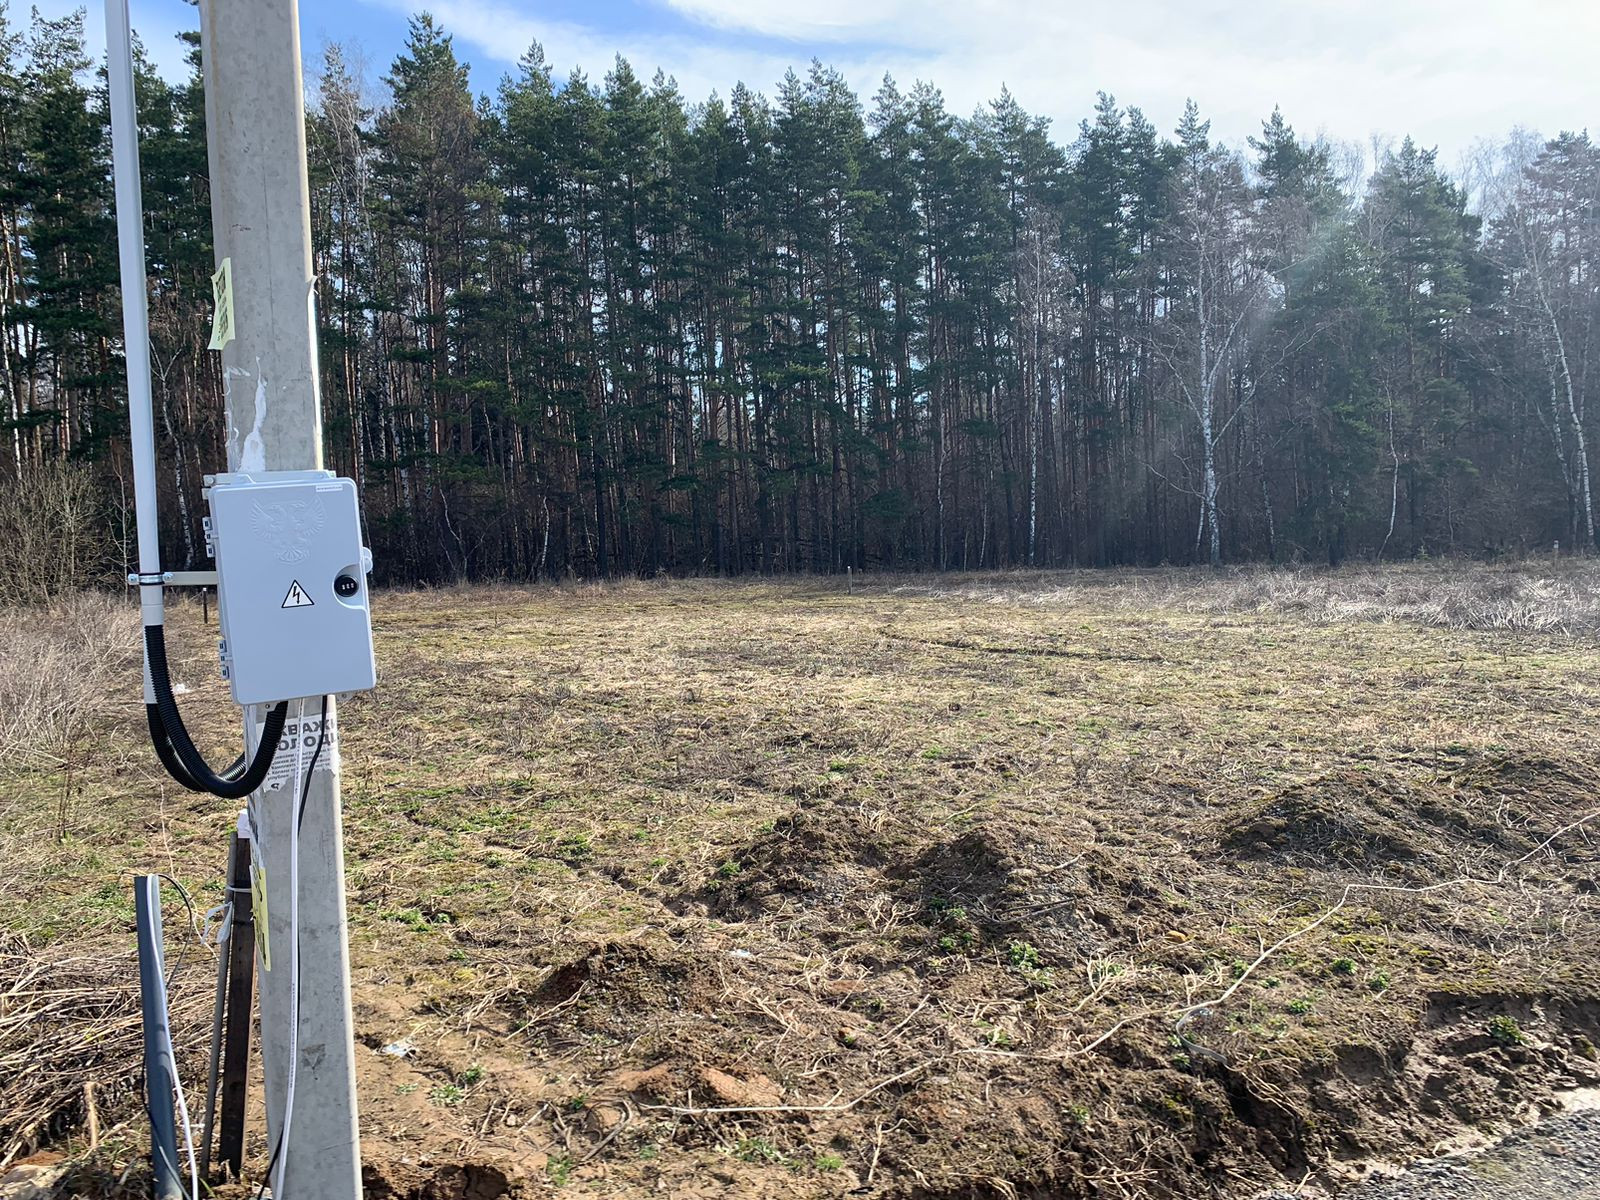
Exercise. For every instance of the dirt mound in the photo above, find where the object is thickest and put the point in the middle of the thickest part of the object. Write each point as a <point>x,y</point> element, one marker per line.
<point>972,895</point>
<point>389,1179</point>
<point>1492,807</point>
<point>1535,781</point>
<point>1346,819</point>
<point>998,885</point>
<point>815,856</point>
<point>978,868</point>
<point>617,986</point>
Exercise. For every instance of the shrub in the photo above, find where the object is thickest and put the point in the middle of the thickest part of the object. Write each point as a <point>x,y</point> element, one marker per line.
<point>1024,956</point>
<point>1506,1031</point>
<point>54,536</point>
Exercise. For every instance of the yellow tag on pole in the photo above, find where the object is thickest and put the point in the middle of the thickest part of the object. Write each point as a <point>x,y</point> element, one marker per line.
<point>258,906</point>
<point>222,298</point>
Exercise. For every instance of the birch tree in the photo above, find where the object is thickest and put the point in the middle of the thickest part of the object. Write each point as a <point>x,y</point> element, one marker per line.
<point>1549,244</point>
<point>1219,294</point>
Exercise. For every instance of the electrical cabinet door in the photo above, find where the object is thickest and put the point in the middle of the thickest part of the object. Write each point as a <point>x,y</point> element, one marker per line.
<point>291,585</point>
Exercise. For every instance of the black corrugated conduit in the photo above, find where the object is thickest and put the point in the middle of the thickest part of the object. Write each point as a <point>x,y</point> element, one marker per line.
<point>177,750</point>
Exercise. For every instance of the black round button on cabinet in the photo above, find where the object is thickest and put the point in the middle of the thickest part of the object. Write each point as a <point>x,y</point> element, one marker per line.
<point>346,585</point>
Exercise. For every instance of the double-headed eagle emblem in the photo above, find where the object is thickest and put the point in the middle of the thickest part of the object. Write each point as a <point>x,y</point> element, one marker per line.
<point>289,527</point>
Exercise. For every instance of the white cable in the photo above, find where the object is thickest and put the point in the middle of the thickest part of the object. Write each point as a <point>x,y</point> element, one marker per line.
<point>183,1109</point>
<point>294,950</point>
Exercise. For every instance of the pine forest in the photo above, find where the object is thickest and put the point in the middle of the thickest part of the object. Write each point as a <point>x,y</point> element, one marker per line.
<point>594,327</point>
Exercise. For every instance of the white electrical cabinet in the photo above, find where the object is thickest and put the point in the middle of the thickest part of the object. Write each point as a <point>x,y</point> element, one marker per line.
<point>291,585</point>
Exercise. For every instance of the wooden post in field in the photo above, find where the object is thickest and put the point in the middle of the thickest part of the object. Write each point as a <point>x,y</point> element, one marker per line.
<point>236,1027</point>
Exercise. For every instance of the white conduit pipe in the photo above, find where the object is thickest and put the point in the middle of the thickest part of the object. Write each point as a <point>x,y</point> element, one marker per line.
<point>135,313</point>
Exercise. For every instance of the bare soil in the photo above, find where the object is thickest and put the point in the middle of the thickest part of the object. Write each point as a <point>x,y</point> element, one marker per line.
<point>932,888</point>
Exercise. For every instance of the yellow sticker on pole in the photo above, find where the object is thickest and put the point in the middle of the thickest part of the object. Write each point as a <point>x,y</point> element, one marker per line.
<point>222,299</point>
<point>258,906</point>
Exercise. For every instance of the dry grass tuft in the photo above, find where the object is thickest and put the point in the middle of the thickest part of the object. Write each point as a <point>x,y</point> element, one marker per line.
<point>60,664</point>
<point>1554,596</point>
<point>1563,599</point>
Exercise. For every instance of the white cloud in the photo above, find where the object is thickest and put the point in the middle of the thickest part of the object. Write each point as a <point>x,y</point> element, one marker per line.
<point>902,21</point>
<point>504,32</point>
<point>1445,71</point>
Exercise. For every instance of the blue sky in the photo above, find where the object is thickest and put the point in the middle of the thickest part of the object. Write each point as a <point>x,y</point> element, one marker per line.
<point>1446,71</point>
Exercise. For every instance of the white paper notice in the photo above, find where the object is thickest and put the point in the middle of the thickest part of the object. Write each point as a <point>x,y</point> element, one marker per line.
<point>309,730</point>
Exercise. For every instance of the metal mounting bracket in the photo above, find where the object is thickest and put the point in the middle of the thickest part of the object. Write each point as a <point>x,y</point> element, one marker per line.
<point>173,579</point>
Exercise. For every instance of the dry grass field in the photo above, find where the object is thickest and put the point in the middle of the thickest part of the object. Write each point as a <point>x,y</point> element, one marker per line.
<point>1115,885</point>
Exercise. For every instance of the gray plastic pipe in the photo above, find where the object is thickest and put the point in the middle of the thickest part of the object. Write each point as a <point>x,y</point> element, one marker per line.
<point>157,1064</point>
<point>135,312</point>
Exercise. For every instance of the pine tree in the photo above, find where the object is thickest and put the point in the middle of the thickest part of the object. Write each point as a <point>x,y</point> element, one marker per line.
<point>425,173</point>
<point>69,252</point>
<point>1424,240</point>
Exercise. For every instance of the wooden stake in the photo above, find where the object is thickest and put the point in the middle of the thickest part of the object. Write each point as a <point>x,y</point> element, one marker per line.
<point>236,1030</point>
<point>92,1113</point>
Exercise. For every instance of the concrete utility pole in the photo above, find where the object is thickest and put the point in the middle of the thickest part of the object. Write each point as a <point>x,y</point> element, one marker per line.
<point>261,221</point>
